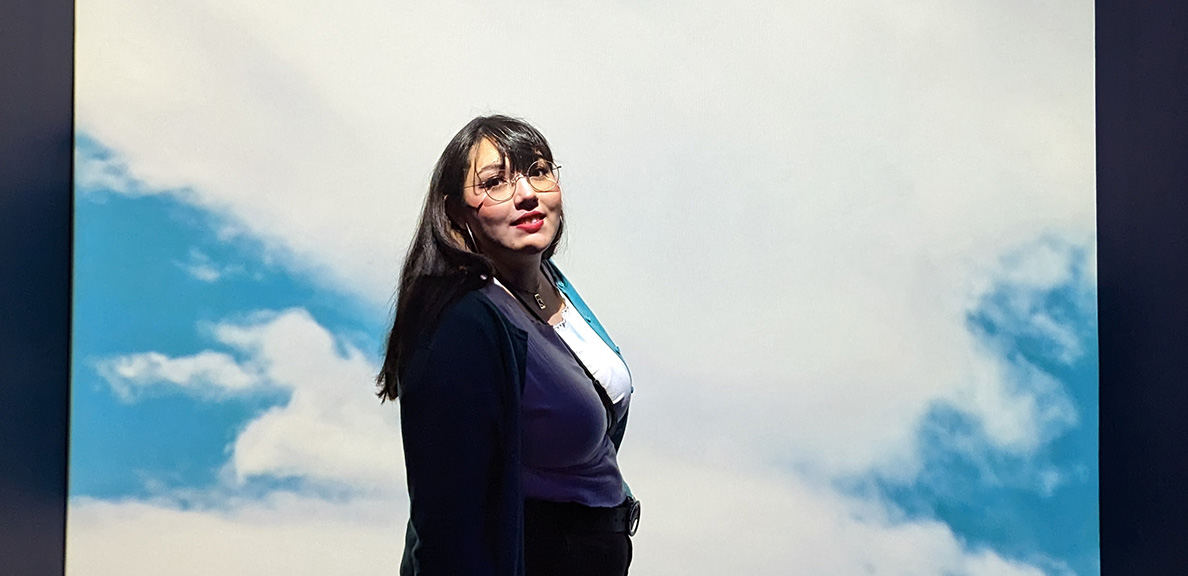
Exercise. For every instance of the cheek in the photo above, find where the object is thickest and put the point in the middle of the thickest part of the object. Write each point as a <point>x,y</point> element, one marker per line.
<point>492,218</point>
<point>553,203</point>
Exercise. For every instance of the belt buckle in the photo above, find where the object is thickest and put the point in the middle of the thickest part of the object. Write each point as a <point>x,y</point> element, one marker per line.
<point>632,516</point>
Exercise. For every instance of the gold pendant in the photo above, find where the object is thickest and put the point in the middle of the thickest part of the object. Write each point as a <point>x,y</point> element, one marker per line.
<point>539,301</point>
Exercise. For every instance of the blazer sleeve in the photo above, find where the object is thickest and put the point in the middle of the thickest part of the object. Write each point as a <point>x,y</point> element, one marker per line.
<point>460,450</point>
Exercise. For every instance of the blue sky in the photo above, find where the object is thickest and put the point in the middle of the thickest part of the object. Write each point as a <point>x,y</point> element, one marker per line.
<point>847,248</point>
<point>136,289</point>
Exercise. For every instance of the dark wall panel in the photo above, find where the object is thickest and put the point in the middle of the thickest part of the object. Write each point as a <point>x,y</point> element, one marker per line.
<point>1142,179</point>
<point>36,87</point>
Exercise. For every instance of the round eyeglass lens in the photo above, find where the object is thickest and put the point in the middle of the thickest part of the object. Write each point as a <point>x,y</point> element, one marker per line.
<point>501,192</point>
<point>542,175</point>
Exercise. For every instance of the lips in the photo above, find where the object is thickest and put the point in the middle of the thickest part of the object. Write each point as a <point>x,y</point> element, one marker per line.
<point>529,218</point>
<point>530,223</point>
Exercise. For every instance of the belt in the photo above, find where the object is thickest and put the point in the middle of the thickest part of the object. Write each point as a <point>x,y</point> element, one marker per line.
<point>542,516</point>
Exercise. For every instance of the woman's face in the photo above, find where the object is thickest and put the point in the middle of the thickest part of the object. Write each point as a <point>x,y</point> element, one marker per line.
<point>524,224</point>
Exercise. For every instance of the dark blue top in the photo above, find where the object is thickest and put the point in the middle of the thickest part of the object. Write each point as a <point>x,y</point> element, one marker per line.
<point>566,454</point>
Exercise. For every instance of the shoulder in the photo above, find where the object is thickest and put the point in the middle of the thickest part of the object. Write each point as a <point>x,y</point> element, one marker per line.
<point>473,318</point>
<point>471,342</point>
<point>472,308</point>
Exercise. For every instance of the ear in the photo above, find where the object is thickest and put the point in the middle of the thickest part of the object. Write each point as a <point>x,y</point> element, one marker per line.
<point>461,231</point>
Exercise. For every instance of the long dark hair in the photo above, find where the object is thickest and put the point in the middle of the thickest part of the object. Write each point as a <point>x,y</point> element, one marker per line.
<point>442,264</point>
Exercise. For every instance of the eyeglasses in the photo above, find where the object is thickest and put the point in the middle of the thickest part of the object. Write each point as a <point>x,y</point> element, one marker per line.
<point>542,175</point>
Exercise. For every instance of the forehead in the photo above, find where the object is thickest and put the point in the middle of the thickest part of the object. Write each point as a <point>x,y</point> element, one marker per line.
<point>485,156</point>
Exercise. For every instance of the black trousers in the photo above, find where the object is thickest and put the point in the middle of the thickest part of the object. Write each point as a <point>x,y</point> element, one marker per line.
<point>552,552</point>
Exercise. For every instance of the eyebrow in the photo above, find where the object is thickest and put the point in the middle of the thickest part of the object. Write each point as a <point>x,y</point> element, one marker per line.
<point>496,165</point>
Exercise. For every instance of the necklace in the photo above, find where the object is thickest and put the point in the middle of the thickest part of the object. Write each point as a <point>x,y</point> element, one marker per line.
<point>540,303</point>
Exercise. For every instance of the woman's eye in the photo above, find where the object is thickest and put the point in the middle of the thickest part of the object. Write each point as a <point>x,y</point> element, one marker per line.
<point>492,182</point>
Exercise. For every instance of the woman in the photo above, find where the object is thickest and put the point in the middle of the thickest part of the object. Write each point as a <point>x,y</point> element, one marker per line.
<point>513,399</point>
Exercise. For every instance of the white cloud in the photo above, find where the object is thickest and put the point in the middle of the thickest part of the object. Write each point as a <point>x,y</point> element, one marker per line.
<point>207,372</point>
<point>202,267</point>
<point>331,433</point>
<point>1024,416</point>
<point>1023,282</point>
<point>204,272</point>
<point>95,173</point>
<point>841,382</point>
<point>699,518</point>
<point>966,128</point>
<point>284,534</point>
<point>721,517</point>
<point>331,429</point>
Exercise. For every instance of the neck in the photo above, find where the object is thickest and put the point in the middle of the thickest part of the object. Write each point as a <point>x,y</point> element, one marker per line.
<point>520,273</point>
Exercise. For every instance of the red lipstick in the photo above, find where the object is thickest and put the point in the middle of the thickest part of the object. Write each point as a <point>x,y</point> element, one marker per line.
<point>530,222</point>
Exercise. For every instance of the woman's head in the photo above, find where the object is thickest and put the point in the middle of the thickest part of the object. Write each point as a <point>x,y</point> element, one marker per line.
<point>508,213</point>
<point>490,191</point>
<point>467,228</point>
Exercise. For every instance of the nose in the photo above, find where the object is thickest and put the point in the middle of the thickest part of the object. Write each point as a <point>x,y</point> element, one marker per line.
<point>521,189</point>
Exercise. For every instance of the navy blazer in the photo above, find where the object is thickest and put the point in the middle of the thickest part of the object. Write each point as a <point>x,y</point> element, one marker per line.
<point>460,424</point>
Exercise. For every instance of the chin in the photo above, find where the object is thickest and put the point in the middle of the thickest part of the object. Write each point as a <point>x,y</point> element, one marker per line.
<point>536,243</point>
<point>532,249</point>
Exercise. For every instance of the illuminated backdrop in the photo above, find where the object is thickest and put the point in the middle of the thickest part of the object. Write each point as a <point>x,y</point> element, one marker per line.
<point>847,248</point>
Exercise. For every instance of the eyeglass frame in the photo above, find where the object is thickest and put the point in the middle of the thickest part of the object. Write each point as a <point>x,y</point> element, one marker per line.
<point>515,180</point>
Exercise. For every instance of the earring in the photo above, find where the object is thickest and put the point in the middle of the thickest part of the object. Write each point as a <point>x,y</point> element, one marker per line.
<point>471,234</point>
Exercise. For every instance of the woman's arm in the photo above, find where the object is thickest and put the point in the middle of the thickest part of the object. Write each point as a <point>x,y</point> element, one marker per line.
<point>459,421</point>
